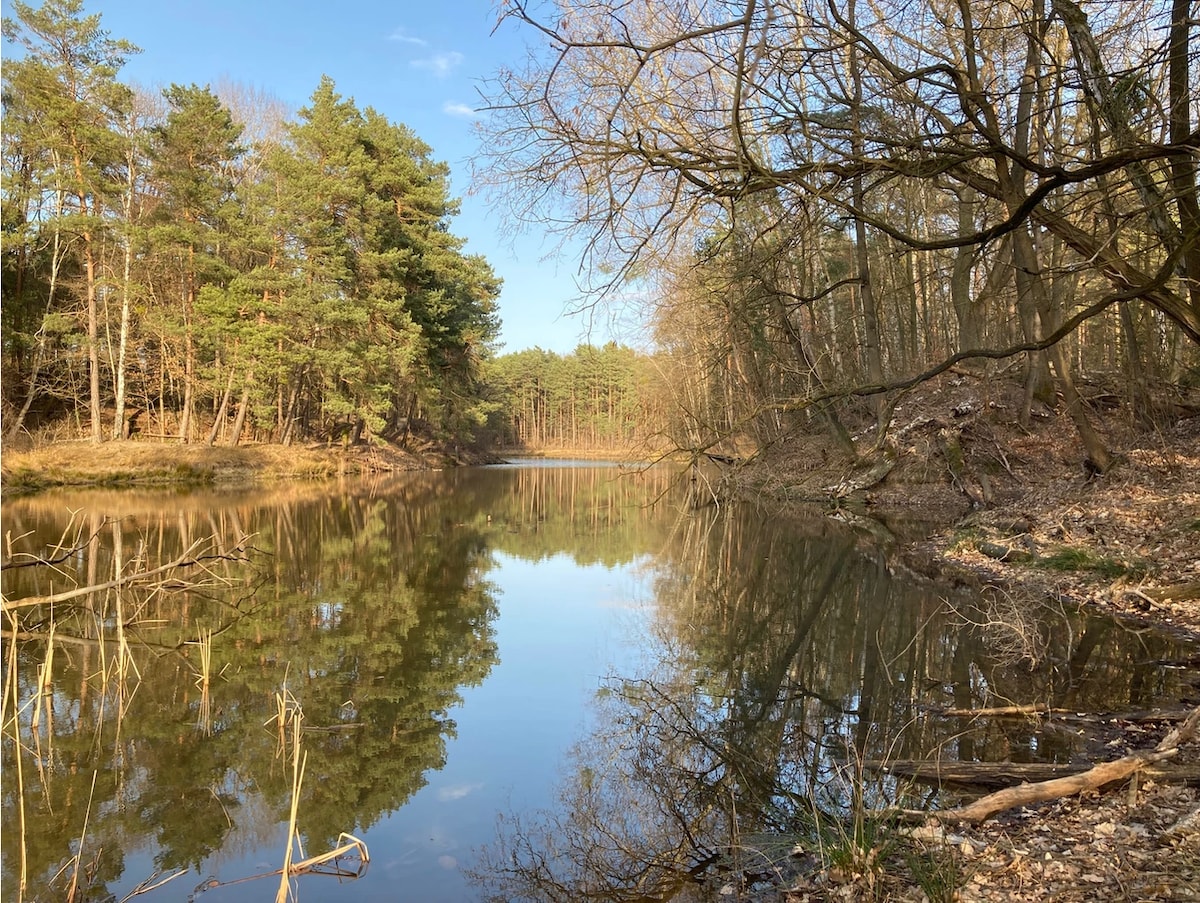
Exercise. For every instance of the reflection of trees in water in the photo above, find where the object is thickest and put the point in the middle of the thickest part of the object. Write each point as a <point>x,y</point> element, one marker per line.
<point>372,603</point>
<point>373,618</point>
<point>597,515</point>
<point>787,656</point>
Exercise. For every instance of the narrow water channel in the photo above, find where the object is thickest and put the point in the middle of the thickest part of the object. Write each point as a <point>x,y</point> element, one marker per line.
<point>545,681</point>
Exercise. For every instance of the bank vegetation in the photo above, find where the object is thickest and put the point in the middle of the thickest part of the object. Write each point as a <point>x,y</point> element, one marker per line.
<point>826,204</point>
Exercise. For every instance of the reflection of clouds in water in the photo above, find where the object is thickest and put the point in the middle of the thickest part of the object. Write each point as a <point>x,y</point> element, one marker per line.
<point>448,862</point>
<point>457,791</point>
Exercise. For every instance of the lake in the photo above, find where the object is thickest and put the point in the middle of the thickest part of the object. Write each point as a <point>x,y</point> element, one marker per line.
<point>552,680</point>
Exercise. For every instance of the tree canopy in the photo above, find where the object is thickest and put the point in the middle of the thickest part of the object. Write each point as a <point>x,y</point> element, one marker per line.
<point>301,281</point>
<point>836,199</point>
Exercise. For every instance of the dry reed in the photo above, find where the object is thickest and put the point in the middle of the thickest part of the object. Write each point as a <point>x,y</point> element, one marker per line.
<point>204,681</point>
<point>293,839</point>
<point>11,692</point>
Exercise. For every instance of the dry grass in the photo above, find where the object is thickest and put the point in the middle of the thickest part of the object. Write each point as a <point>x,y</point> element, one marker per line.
<point>143,464</point>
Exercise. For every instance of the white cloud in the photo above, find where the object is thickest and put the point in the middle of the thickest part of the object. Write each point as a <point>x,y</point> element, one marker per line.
<point>440,64</point>
<point>401,36</point>
<point>453,108</point>
<point>457,791</point>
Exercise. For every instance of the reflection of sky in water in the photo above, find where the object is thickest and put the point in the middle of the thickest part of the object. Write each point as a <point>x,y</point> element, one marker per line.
<point>740,595</point>
<point>559,634</point>
<point>562,628</point>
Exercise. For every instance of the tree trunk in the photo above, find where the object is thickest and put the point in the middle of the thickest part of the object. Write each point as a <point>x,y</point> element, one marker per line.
<point>189,352</point>
<point>93,336</point>
<point>965,310</point>
<point>1183,166</point>
<point>162,387</point>
<point>243,407</point>
<point>870,309</point>
<point>289,417</point>
<point>1140,401</point>
<point>56,256</point>
<point>1032,289</point>
<point>222,410</point>
<point>119,431</point>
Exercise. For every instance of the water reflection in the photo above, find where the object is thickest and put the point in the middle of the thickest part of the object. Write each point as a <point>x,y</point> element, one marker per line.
<point>371,606</point>
<point>780,656</point>
<point>787,660</point>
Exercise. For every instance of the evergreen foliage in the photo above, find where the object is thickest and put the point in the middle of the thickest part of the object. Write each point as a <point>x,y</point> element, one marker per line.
<point>595,399</point>
<point>298,288</point>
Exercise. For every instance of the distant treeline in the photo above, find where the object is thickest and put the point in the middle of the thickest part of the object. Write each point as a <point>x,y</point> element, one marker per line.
<point>823,204</point>
<point>200,264</point>
<point>599,399</point>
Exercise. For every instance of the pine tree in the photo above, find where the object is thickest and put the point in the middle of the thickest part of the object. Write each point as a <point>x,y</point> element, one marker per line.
<point>193,151</point>
<point>66,82</point>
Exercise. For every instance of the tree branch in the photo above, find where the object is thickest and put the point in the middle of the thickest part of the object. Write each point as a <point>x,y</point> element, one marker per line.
<point>187,559</point>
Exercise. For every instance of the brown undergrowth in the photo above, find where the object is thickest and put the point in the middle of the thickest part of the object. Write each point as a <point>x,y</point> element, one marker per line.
<point>977,498</point>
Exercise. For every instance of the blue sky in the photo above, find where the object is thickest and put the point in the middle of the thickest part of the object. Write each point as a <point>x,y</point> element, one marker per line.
<point>418,62</point>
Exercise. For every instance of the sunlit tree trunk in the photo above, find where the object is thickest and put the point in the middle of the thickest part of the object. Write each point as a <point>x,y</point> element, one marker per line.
<point>57,252</point>
<point>965,310</point>
<point>189,353</point>
<point>119,430</point>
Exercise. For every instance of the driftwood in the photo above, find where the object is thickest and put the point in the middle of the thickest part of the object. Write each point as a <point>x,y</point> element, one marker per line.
<point>1179,592</point>
<point>1006,774</point>
<point>1003,711</point>
<point>1092,779</point>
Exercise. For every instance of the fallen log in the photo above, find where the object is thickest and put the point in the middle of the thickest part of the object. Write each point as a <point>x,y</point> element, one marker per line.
<point>1007,774</point>
<point>1092,779</point>
<point>1178,592</point>
<point>1004,711</point>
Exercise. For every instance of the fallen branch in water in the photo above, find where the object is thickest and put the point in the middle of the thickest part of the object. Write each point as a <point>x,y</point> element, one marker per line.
<point>348,861</point>
<point>189,558</point>
<point>1013,711</point>
<point>1009,774</point>
<point>1092,779</point>
<point>61,554</point>
<point>1004,711</point>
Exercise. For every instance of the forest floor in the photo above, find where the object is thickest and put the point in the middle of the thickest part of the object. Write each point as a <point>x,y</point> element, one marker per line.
<point>976,498</point>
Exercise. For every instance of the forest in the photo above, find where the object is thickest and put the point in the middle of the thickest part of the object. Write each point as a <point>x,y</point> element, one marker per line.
<point>826,203</point>
<point>818,206</point>
<point>205,268</point>
<point>603,399</point>
<point>820,209</point>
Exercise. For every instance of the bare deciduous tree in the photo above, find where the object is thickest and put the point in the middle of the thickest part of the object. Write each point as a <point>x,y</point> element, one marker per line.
<point>982,142</point>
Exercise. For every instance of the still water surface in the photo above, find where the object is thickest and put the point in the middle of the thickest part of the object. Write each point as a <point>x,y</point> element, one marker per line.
<point>533,680</point>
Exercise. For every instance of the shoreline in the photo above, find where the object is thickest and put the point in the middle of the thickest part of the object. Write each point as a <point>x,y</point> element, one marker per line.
<point>1133,538</point>
<point>1127,543</point>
